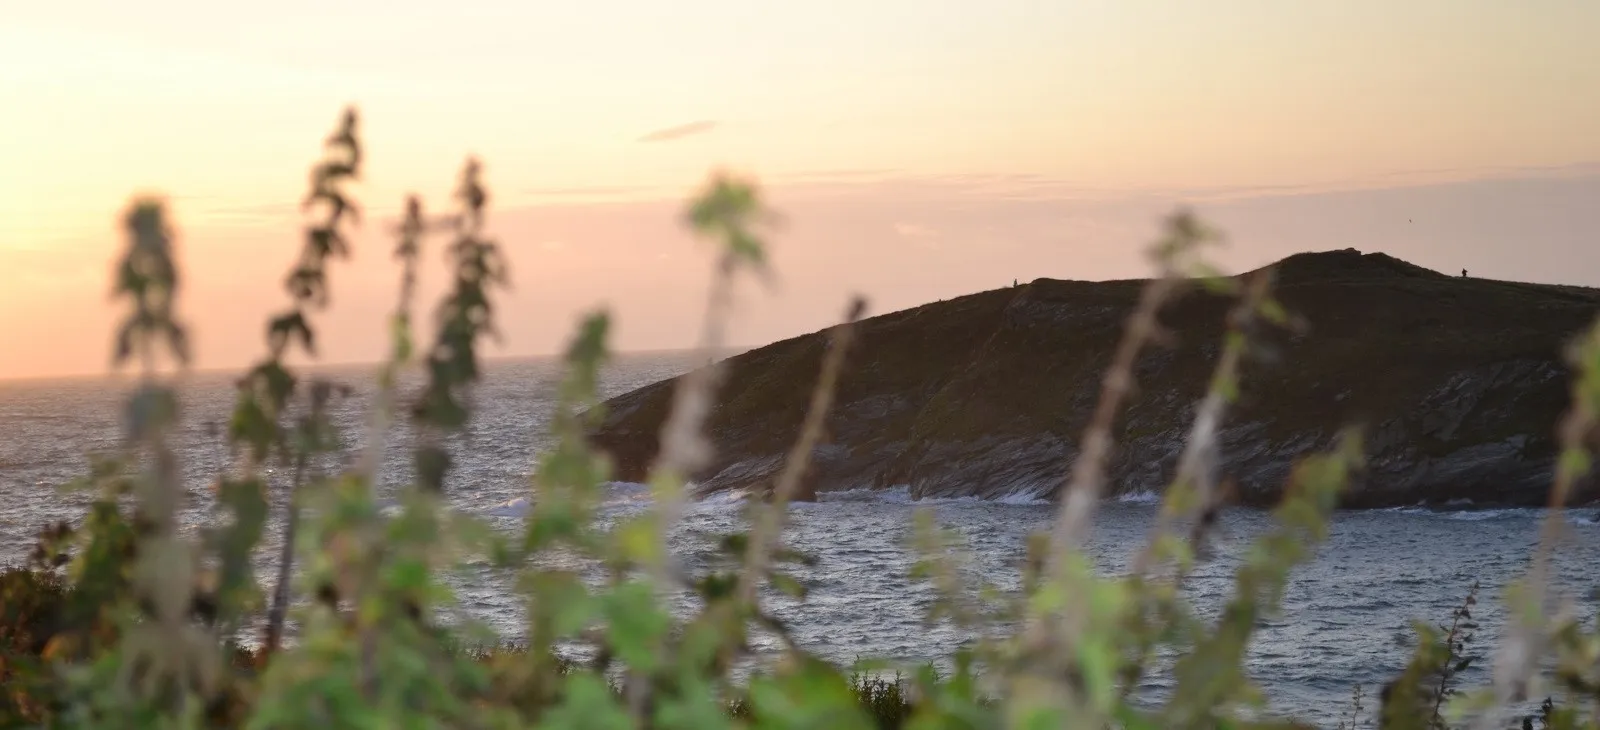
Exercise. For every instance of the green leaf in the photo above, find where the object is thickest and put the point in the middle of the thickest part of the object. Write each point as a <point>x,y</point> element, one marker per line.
<point>636,624</point>
<point>587,704</point>
<point>788,585</point>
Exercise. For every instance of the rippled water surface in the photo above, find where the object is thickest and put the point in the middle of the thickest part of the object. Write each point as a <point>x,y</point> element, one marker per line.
<point>1347,616</point>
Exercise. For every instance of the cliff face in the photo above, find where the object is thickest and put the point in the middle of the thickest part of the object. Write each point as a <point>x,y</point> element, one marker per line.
<point>1459,384</point>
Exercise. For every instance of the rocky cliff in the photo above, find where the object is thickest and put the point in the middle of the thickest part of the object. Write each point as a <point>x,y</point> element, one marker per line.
<point>1458,382</point>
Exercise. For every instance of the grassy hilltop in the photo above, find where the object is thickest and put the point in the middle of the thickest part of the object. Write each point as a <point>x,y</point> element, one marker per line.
<point>1457,380</point>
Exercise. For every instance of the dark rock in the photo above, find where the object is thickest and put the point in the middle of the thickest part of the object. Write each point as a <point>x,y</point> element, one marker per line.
<point>1457,383</point>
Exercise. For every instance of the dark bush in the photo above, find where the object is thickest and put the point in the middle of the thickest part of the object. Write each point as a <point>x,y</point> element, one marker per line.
<point>33,605</point>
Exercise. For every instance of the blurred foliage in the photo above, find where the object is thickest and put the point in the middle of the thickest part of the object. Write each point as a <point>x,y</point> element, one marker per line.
<point>123,622</point>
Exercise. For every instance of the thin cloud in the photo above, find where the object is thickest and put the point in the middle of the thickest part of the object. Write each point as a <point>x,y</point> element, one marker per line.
<point>590,191</point>
<point>679,132</point>
<point>914,230</point>
<point>918,235</point>
<point>198,210</point>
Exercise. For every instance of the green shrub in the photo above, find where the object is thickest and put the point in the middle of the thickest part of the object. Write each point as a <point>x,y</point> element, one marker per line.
<point>140,633</point>
<point>32,603</point>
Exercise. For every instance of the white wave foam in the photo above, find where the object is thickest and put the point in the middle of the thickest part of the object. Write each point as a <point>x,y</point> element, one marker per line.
<point>1591,519</point>
<point>1488,514</point>
<point>1454,511</point>
<point>721,499</point>
<point>1025,497</point>
<point>901,494</point>
<point>1140,497</point>
<point>623,494</point>
<point>518,507</point>
<point>618,494</point>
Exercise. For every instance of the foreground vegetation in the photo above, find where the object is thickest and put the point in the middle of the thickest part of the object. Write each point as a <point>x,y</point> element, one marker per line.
<point>124,622</point>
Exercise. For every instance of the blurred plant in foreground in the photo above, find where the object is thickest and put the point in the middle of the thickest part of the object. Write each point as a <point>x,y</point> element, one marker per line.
<point>140,633</point>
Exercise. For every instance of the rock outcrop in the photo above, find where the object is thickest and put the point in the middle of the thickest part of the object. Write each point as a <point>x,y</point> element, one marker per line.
<point>1458,384</point>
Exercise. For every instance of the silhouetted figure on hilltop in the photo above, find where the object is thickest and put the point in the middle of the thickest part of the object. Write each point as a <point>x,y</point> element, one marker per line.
<point>1463,273</point>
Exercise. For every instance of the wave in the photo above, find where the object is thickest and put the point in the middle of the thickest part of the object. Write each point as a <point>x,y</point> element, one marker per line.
<point>1461,510</point>
<point>1490,514</point>
<point>518,507</point>
<point>622,495</point>
<point>1454,511</point>
<point>1141,497</point>
<point>633,495</point>
<point>618,494</point>
<point>1026,498</point>
<point>902,495</point>
<point>718,499</point>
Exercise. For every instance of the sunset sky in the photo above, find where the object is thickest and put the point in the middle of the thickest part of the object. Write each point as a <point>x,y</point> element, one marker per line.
<point>919,150</point>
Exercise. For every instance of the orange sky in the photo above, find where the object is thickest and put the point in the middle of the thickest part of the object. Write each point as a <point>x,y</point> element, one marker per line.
<point>920,149</point>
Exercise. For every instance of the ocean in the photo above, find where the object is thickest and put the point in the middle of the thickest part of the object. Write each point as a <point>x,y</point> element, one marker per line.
<point>1346,619</point>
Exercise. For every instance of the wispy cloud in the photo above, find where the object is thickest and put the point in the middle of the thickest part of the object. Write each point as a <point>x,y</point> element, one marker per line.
<point>911,195</point>
<point>679,132</point>
<point>914,230</point>
<point>210,210</point>
<point>918,235</point>
<point>589,191</point>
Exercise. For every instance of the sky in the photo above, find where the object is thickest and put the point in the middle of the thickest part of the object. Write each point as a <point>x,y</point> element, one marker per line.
<point>917,150</point>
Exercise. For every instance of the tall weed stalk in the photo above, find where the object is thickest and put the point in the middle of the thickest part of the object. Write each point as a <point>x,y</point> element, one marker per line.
<point>148,617</point>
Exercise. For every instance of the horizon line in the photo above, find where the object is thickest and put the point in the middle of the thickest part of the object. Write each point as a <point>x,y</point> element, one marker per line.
<point>730,350</point>
<point>346,365</point>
